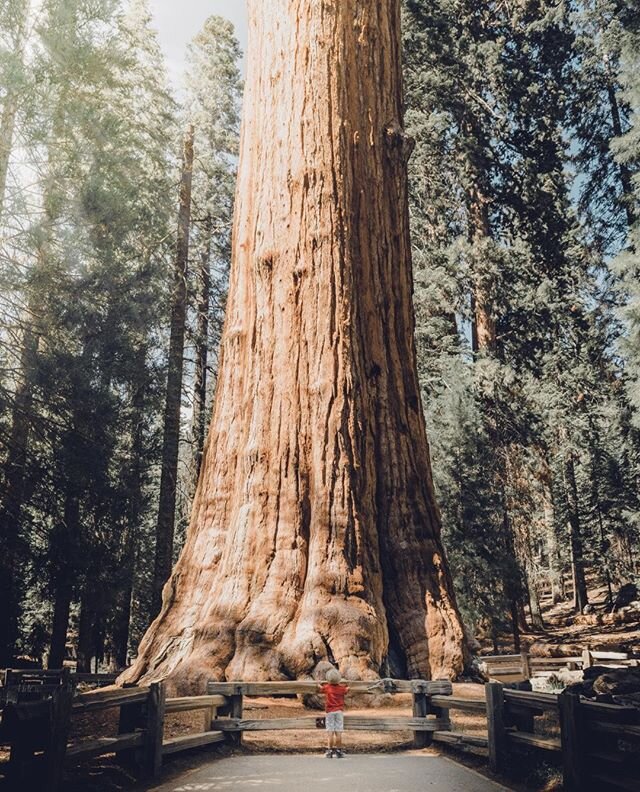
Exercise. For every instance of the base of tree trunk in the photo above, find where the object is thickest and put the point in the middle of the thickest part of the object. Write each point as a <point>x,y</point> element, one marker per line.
<point>341,630</point>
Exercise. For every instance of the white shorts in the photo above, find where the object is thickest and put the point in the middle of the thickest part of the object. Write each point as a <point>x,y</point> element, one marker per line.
<point>334,721</point>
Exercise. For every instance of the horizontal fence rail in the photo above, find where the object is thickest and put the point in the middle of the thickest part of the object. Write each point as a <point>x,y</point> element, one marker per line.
<point>306,687</point>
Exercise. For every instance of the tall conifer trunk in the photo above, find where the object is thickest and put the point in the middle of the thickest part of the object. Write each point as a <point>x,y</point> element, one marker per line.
<point>202,348</point>
<point>580,595</point>
<point>11,505</point>
<point>169,473</point>
<point>63,575</point>
<point>315,534</point>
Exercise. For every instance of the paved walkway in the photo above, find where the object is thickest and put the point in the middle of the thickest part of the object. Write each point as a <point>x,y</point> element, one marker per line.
<point>355,773</point>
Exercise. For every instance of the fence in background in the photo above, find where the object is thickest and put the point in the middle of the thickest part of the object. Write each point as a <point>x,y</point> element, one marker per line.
<point>519,667</point>
<point>18,685</point>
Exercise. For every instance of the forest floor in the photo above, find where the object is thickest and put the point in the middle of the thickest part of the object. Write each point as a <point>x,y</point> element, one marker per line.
<point>567,634</point>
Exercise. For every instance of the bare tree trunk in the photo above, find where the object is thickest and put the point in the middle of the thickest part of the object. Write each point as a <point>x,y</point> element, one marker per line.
<point>556,575</point>
<point>483,331</point>
<point>63,575</point>
<point>169,473</point>
<point>86,642</point>
<point>202,350</point>
<point>60,624</point>
<point>121,620</point>
<point>314,534</point>
<point>626,179</point>
<point>580,596</point>
<point>14,484</point>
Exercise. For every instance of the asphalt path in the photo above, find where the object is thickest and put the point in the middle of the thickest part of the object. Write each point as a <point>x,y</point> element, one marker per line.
<point>355,773</point>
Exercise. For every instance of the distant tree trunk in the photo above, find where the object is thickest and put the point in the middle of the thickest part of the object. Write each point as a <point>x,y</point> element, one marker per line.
<point>64,578</point>
<point>483,331</point>
<point>15,484</point>
<point>580,596</point>
<point>626,178</point>
<point>86,633</point>
<point>515,626</point>
<point>202,349</point>
<point>537,622</point>
<point>60,624</point>
<point>531,579</point>
<point>556,576</point>
<point>169,472</point>
<point>11,99</point>
<point>483,327</point>
<point>314,534</point>
<point>121,621</point>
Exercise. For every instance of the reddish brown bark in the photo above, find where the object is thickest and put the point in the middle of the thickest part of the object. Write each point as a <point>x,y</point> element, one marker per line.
<point>315,534</point>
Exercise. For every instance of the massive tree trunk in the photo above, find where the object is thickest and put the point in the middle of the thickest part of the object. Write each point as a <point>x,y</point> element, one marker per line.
<point>314,534</point>
<point>169,474</point>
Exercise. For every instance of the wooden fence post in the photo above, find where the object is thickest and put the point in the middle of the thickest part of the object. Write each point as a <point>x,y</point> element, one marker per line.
<point>526,665</point>
<point>572,732</point>
<point>152,751</point>
<point>497,733</point>
<point>11,695</point>
<point>209,714</point>
<point>236,712</point>
<point>421,739</point>
<point>131,718</point>
<point>59,728</point>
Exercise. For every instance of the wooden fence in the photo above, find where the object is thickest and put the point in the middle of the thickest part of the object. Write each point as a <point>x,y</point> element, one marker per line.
<point>38,731</point>
<point>519,667</point>
<point>597,744</point>
<point>18,685</point>
<point>430,719</point>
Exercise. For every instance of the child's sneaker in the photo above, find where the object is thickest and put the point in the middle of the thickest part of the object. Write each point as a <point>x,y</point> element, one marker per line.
<point>329,754</point>
<point>339,754</point>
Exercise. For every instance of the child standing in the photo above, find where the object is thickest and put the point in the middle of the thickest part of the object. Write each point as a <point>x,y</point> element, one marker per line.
<point>334,693</point>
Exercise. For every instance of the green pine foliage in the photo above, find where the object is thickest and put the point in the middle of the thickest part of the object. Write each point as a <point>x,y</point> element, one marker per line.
<point>508,107</point>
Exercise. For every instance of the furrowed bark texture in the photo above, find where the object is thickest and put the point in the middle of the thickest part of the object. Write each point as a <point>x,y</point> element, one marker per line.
<point>314,532</point>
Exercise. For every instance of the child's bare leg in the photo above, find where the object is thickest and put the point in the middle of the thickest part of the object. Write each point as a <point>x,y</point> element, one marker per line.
<point>338,739</point>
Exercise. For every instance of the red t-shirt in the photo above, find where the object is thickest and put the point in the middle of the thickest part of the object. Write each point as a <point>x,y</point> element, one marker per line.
<point>334,697</point>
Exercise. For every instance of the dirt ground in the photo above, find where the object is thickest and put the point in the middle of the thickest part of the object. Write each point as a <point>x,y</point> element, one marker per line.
<point>565,632</point>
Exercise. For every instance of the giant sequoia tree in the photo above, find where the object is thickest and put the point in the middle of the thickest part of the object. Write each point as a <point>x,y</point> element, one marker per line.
<point>314,532</point>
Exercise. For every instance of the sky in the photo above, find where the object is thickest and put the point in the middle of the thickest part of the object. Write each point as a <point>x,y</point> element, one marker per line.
<point>178,21</point>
